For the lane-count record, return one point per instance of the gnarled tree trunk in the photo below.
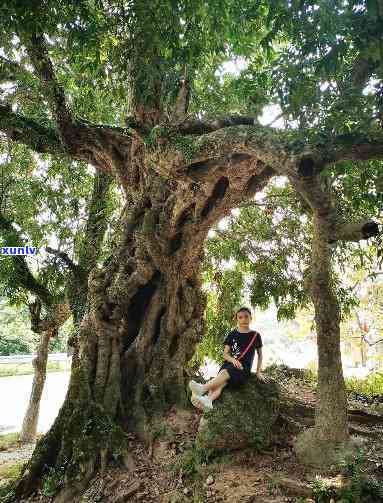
(180, 175)
(145, 315)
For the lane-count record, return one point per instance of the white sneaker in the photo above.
(196, 388)
(202, 402)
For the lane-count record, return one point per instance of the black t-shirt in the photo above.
(239, 341)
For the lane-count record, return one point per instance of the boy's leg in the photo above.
(221, 378)
(214, 393)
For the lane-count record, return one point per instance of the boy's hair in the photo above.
(243, 308)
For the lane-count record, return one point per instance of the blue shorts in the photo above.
(237, 376)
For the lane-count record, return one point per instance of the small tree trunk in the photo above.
(331, 410)
(363, 355)
(29, 428)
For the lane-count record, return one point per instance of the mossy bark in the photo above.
(243, 417)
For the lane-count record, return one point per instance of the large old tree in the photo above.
(131, 88)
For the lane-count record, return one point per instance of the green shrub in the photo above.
(322, 492)
(9, 474)
(9, 440)
(13, 346)
(363, 488)
(371, 385)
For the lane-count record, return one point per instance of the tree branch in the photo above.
(22, 277)
(196, 126)
(64, 257)
(96, 224)
(38, 52)
(357, 151)
(79, 139)
(93, 144)
(357, 231)
(28, 132)
(243, 134)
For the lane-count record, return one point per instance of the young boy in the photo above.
(232, 372)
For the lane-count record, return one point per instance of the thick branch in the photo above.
(204, 157)
(350, 149)
(195, 126)
(57, 314)
(96, 224)
(28, 132)
(279, 146)
(317, 193)
(357, 231)
(94, 143)
(99, 146)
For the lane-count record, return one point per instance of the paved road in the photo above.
(14, 396)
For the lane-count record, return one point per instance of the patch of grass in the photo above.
(322, 492)
(9, 474)
(371, 385)
(272, 487)
(11, 470)
(8, 370)
(9, 440)
(12, 440)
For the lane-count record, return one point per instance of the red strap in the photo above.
(248, 347)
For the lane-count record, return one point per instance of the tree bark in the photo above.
(145, 307)
(331, 410)
(29, 428)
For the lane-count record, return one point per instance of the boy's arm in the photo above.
(259, 363)
(226, 354)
